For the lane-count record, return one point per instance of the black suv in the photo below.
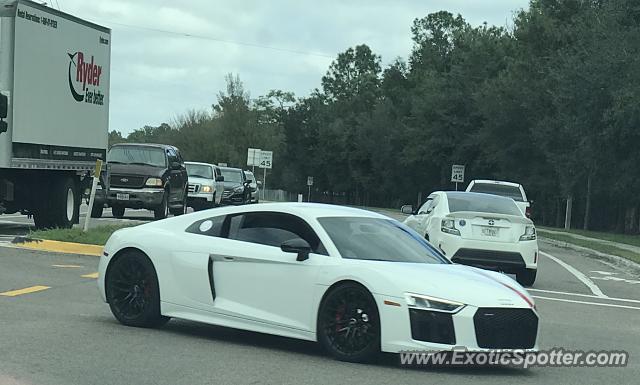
(143, 176)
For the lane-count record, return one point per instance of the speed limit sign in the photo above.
(457, 173)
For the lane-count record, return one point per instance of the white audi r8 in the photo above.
(353, 280)
(482, 230)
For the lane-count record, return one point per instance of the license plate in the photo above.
(490, 231)
(122, 197)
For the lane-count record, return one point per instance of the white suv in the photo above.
(505, 189)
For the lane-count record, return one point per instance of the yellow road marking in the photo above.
(60, 247)
(92, 275)
(26, 290)
(67, 266)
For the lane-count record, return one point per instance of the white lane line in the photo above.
(583, 295)
(581, 277)
(587, 303)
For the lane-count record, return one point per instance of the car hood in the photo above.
(231, 185)
(136, 169)
(202, 181)
(460, 283)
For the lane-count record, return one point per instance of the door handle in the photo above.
(227, 258)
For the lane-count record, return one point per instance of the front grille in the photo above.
(503, 328)
(432, 326)
(134, 181)
(488, 258)
(194, 188)
(227, 193)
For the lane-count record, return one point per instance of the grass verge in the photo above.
(594, 246)
(95, 236)
(633, 240)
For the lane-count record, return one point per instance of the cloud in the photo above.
(156, 76)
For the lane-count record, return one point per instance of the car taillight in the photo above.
(527, 212)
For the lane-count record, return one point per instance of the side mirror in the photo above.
(406, 209)
(297, 245)
(175, 165)
(259, 183)
(248, 181)
(220, 178)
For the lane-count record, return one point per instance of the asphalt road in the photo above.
(66, 335)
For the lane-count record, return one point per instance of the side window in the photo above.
(435, 202)
(271, 229)
(179, 156)
(172, 156)
(210, 226)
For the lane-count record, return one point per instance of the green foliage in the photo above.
(94, 236)
(551, 103)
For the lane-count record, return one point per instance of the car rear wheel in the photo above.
(349, 324)
(526, 277)
(118, 211)
(132, 291)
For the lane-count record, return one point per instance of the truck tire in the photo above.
(117, 211)
(183, 208)
(162, 211)
(64, 211)
(42, 220)
(96, 210)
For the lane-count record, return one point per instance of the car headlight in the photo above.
(207, 189)
(239, 189)
(425, 302)
(153, 182)
(529, 234)
(449, 226)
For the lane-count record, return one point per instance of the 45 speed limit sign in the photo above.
(457, 173)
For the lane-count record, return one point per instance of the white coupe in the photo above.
(355, 281)
(481, 230)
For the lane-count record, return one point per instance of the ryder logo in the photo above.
(83, 75)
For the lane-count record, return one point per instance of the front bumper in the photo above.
(144, 198)
(199, 200)
(507, 257)
(398, 334)
(232, 197)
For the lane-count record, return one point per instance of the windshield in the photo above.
(379, 239)
(137, 155)
(482, 203)
(199, 171)
(231, 175)
(512, 192)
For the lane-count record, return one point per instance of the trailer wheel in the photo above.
(65, 210)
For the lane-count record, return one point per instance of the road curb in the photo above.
(57, 246)
(610, 259)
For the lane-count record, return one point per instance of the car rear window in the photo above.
(512, 192)
(482, 203)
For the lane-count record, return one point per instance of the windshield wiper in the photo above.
(143, 164)
(199, 176)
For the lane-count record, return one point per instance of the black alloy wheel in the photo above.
(132, 291)
(349, 323)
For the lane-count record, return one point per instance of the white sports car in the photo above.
(481, 230)
(353, 280)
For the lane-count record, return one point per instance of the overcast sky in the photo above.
(156, 76)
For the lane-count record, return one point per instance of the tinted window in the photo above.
(482, 203)
(210, 226)
(199, 171)
(137, 155)
(173, 157)
(272, 229)
(379, 239)
(512, 192)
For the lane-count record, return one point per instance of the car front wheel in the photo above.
(132, 290)
(526, 277)
(349, 324)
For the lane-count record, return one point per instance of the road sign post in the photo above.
(457, 174)
(309, 184)
(265, 161)
(92, 194)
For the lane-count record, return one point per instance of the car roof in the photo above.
(500, 182)
(201, 163)
(230, 169)
(465, 194)
(153, 145)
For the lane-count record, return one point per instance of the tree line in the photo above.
(551, 102)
